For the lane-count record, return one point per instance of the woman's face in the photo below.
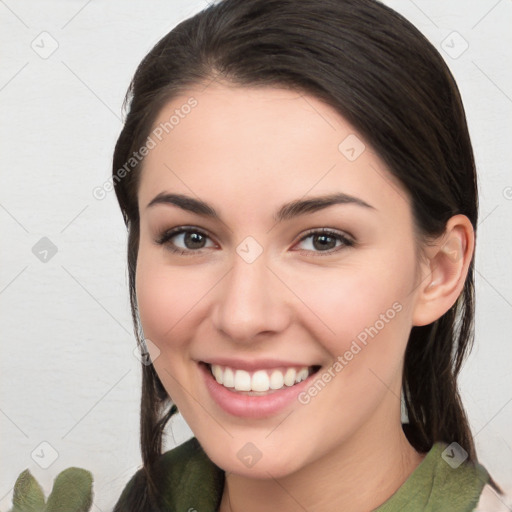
(259, 291)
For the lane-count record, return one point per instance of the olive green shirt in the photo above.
(190, 481)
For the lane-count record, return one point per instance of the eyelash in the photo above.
(166, 236)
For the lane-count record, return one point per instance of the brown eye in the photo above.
(325, 241)
(193, 239)
(184, 240)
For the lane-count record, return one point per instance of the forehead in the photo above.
(262, 143)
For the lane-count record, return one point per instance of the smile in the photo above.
(260, 380)
(261, 390)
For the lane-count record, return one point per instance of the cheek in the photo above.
(356, 303)
(163, 299)
(167, 300)
(365, 323)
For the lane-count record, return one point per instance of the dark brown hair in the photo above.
(386, 79)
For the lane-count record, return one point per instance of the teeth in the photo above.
(289, 377)
(228, 378)
(260, 380)
(277, 380)
(242, 380)
(302, 375)
(217, 373)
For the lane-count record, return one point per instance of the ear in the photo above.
(445, 270)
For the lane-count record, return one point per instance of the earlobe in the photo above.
(448, 263)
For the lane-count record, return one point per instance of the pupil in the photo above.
(194, 238)
(323, 245)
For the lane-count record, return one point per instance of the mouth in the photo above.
(260, 382)
(259, 391)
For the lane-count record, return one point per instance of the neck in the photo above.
(359, 475)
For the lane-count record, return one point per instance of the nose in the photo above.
(251, 301)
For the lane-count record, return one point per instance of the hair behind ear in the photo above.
(432, 399)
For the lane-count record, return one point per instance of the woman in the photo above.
(300, 193)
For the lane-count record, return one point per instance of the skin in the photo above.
(247, 151)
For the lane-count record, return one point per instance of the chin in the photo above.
(244, 458)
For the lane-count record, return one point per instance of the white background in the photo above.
(68, 374)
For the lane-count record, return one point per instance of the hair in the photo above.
(389, 82)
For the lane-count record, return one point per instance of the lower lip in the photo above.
(248, 406)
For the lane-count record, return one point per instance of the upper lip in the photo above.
(254, 364)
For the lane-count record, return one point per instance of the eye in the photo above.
(324, 241)
(193, 240)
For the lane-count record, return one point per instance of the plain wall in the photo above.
(69, 376)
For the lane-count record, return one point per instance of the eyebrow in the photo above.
(286, 212)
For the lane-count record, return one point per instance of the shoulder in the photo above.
(179, 474)
(466, 482)
(458, 480)
(444, 481)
